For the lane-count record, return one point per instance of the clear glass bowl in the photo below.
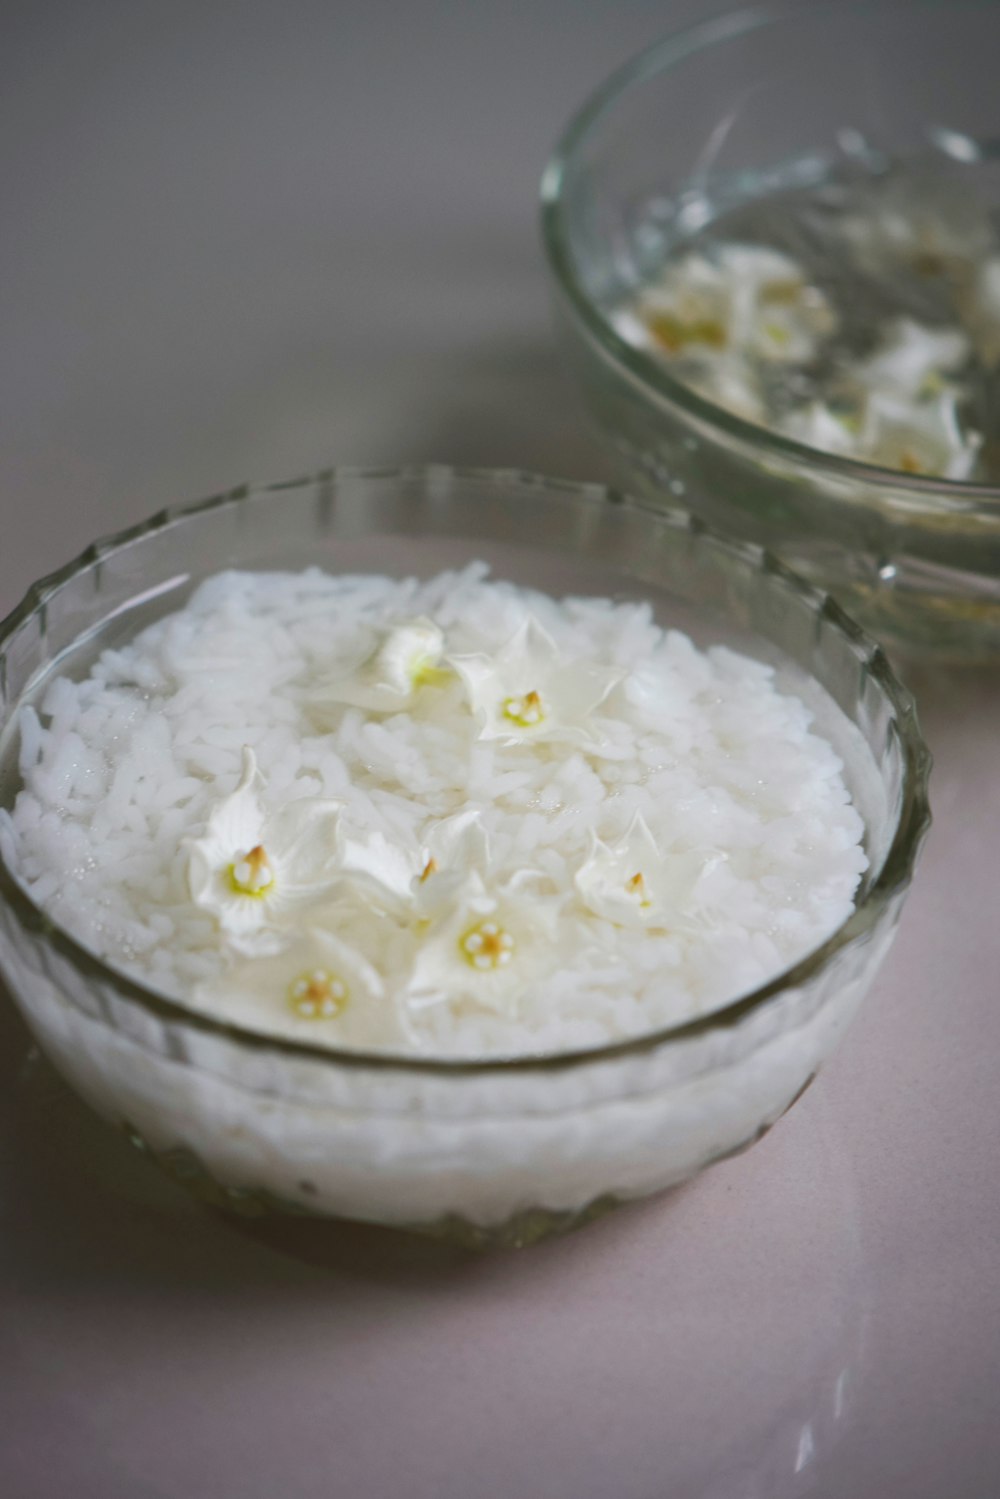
(492, 1151)
(759, 101)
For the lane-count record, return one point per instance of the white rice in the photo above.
(119, 768)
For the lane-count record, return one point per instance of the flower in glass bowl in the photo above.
(745, 299)
(388, 679)
(413, 880)
(314, 980)
(918, 436)
(898, 407)
(528, 691)
(724, 317)
(255, 868)
(778, 315)
(912, 359)
(489, 942)
(633, 882)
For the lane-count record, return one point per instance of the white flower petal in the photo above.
(315, 987)
(712, 313)
(389, 680)
(302, 838)
(234, 828)
(454, 848)
(383, 869)
(459, 840)
(236, 821)
(910, 356)
(918, 437)
(486, 951)
(251, 867)
(528, 691)
(407, 880)
(635, 884)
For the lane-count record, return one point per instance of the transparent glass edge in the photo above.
(647, 373)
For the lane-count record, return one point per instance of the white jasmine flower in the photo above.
(389, 679)
(315, 985)
(634, 883)
(905, 417)
(776, 313)
(252, 868)
(746, 299)
(918, 437)
(528, 691)
(410, 880)
(689, 311)
(489, 945)
(912, 360)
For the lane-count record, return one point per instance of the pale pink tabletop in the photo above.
(246, 240)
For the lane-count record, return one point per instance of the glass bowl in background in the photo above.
(757, 102)
(494, 1150)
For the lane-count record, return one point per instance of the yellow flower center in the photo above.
(425, 672)
(251, 873)
(782, 293)
(636, 887)
(487, 946)
(675, 334)
(527, 711)
(318, 995)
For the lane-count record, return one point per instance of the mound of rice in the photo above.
(123, 769)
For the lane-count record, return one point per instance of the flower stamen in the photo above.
(251, 873)
(527, 711)
(487, 946)
(318, 995)
(431, 867)
(636, 887)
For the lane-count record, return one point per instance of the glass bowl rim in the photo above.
(911, 825)
(650, 374)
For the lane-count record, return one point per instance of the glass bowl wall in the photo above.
(757, 102)
(494, 1150)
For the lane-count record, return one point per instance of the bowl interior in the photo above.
(562, 538)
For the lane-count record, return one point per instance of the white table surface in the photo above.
(244, 241)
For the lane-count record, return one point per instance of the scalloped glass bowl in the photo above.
(762, 100)
(491, 1151)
